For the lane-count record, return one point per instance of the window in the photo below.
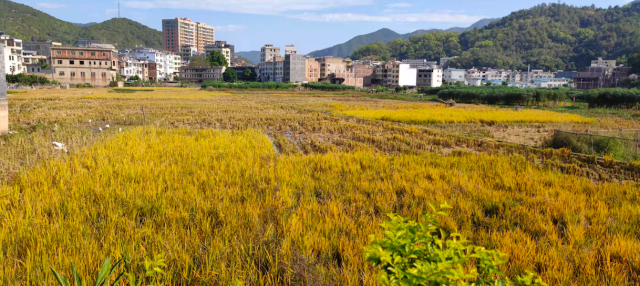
(93, 54)
(59, 53)
(104, 54)
(81, 53)
(61, 73)
(93, 74)
(81, 63)
(72, 62)
(73, 73)
(82, 74)
(73, 53)
(106, 63)
(104, 74)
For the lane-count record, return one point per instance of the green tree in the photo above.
(423, 253)
(134, 78)
(217, 59)
(634, 62)
(488, 83)
(230, 75)
(250, 74)
(505, 83)
(198, 61)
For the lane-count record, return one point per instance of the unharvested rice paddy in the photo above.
(259, 188)
(437, 113)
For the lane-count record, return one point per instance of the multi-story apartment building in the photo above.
(224, 44)
(226, 52)
(12, 54)
(290, 49)
(603, 63)
(187, 52)
(165, 62)
(32, 62)
(42, 48)
(268, 52)
(201, 74)
(294, 68)
(73, 65)
(182, 31)
(394, 74)
(600, 76)
(453, 76)
(129, 66)
(538, 74)
(312, 70)
(420, 64)
(431, 77)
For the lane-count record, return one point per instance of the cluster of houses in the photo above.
(100, 64)
(424, 73)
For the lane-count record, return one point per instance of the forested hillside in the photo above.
(550, 37)
(385, 35)
(24, 22)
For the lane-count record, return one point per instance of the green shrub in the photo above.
(248, 85)
(79, 85)
(413, 253)
(328, 86)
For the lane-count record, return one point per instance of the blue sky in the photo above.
(308, 24)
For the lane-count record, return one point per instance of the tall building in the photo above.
(290, 50)
(268, 52)
(429, 77)
(294, 68)
(182, 31)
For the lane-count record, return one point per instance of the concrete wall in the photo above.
(4, 107)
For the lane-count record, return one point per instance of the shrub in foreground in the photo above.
(414, 253)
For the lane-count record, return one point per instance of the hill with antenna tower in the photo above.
(29, 24)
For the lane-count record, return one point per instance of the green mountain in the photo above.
(384, 35)
(253, 56)
(21, 21)
(550, 37)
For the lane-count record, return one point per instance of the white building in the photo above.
(551, 82)
(129, 66)
(538, 74)
(453, 76)
(394, 74)
(12, 54)
(431, 77)
(272, 70)
(165, 61)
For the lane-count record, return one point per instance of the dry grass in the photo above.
(203, 184)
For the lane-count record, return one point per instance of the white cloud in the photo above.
(45, 5)
(265, 7)
(229, 28)
(399, 5)
(421, 17)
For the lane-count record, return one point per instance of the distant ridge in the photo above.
(385, 35)
(21, 21)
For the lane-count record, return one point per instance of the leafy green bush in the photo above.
(248, 85)
(328, 86)
(26, 79)
(414, 253)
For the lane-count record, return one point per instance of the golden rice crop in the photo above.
(203, 184)
(433, 114)
(223, 205)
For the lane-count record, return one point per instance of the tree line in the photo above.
(547, 36)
